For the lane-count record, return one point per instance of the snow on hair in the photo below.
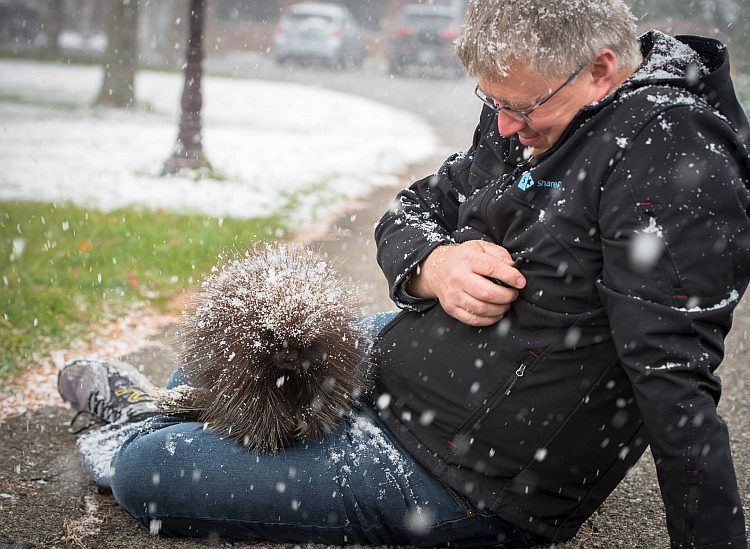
(553, 37)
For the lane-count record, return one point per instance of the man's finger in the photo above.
(499, 271)
(474, 320)
(486, 290)
(481, 308)
(507, 275)
(495, 250)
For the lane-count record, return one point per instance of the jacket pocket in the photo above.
(643, 250)
(691, 506)
(649, 215)
(461, 442)
(461, 500)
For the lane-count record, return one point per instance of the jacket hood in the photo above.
(696, 64)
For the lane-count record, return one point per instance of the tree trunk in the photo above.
(121, 60)
(188, 150)
(54, 25)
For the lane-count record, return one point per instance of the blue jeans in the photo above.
(357, 485)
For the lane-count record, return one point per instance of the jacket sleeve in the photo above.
(421, 218)
(674, 231)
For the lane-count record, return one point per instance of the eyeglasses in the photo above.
(517, 114)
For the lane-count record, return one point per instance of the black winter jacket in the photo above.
(633, 234)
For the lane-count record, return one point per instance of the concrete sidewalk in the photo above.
(46, 501)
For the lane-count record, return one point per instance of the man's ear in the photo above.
(605, 69)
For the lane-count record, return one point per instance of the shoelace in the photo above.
(98, 411)
(97, 406)
(96, 421)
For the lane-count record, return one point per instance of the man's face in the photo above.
(523, 90)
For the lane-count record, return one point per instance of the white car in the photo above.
(320, 32)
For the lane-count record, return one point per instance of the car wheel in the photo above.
(396, 68)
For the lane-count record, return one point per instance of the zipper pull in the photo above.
(530, 357)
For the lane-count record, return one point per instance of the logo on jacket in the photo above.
(526, 181)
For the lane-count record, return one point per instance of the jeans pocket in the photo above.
(462, 501)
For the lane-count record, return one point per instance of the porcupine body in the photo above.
(273, 350)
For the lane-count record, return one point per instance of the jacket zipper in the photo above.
(691, 503)
(470, 424)
(666, 261)
(691, 512)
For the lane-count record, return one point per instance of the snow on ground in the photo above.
(269, 139)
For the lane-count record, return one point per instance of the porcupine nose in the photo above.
(286, 359)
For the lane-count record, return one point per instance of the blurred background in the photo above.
(77, 29)
(381, 49)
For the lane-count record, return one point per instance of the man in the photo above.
(567, 285)
(619, 188)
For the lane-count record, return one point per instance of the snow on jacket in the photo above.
(632, 233)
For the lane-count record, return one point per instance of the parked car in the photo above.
(21, 24)
(423, 38)
(320, 32)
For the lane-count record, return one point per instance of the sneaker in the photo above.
(110, 391)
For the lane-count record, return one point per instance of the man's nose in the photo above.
(508, 125)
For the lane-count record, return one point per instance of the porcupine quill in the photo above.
(273, 350)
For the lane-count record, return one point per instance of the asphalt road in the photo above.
(449, 105)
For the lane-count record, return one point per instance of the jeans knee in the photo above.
(134, 484)
(157, 473)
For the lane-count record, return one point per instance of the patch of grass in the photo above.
(309, 200)
(82, 57)
(44, 54)
(63, 267)
(52, 104)
(75, 106)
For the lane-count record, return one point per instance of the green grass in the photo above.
(43, 54)
(74, 106)
(63, 267)
(52, 104)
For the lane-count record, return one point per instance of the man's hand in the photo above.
(458, 275)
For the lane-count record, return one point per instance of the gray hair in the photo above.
(553, 37)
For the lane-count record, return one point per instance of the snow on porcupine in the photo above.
(273, 351)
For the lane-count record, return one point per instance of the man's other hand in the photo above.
(459, 276)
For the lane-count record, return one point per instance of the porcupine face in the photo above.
(272, 350)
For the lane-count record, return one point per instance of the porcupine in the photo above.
(274, 350)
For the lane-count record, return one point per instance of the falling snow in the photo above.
(646, 247)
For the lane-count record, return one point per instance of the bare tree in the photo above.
(121, 60)
(53, 24)
(188, 150)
